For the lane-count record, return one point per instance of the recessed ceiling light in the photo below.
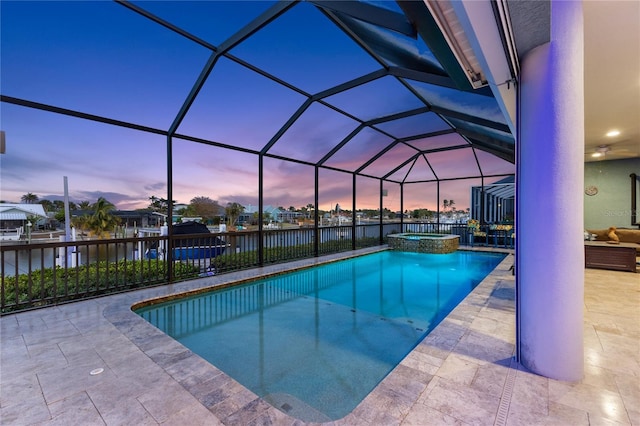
(596, 154)
(613, 133)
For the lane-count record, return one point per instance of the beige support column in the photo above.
(550, 252)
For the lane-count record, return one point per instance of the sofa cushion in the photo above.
(601, 234)
(628, 235)
(624, 235)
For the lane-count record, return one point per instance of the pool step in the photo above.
(294, 407)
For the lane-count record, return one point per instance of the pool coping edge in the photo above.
(227, 399)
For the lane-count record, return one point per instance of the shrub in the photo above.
(230, 261)
(54, 285)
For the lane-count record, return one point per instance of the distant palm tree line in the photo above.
(100, 222)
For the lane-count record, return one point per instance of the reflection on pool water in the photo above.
(315, 342)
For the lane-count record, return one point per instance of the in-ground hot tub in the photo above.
(424, 243)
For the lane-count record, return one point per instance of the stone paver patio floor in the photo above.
(461, 373)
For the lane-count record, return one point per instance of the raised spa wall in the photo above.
(424, 243)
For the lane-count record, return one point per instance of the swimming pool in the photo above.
(315, 342)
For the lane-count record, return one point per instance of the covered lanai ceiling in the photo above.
(370, 88)
(611, 69)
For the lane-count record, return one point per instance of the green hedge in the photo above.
(54, 285)
(236, 261)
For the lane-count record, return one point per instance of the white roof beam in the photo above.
(478, 21)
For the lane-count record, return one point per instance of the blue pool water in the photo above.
(315, 342)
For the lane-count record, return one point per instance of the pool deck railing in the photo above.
(58, 272)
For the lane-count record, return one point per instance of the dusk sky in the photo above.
(102, 58)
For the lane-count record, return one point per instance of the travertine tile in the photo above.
(484, 325)
(597, 402)
(47, 356)
(421, 415)
(368, 413)
(218, 389)
(50, 335)
(601, 378)
(618, 343)
(406, 381)
(194, 414)
(484, 347)
(31, 321)
(248, 413)
(490, 379)
(436, 355)
(458, 369)
(446, 336)
(634, 416)
(17, 390)
(393, 401)
(530, 393)
(114, 349)
(462, 402)
(590, 336)
(613, 361)
(423, 362)
(30, 410)
(192, 371)
(13, 350)
(230, 405)
(9, 327)
(558, 415)
(76, 409)
(61, 383)
(629, 389)
(164, 401)
(131, 412)
(79, 351)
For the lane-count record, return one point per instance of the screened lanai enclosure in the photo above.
(369, 104)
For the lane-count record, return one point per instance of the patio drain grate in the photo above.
(507, 392)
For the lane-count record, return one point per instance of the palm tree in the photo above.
(233, 212)
(160, 205)
(84, 205)
(81, 223)
(29, 198)
(102, 221)
(47, 205)
(445, 204)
